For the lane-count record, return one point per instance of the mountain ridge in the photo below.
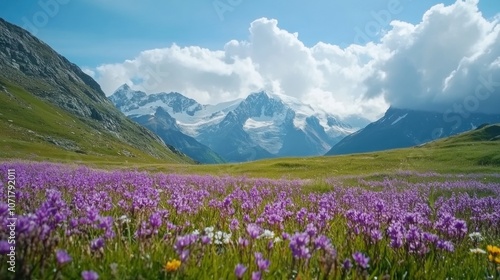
(402, 128)
(30, 66)
(262, 125)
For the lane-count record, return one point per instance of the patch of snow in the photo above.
(398, 119)
(266, 131)
(295, 104)
(254, 124)
(149, 109)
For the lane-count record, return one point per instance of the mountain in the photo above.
(263, 125)
(166, 128)
(50, 107)
(400, 128)
(268, 125)
(154, 112)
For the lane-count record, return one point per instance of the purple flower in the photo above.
(253, 230)
(445, 245)
(155, 220)
(311, 230)
(323, 243)
(239, 271)
(460, 228)
(184, 255)
(270, 244)
(4, 247)
(285, 236)
(234, 225)
(183, 242)
(430, 237)
(97, 244)
(262, 263)
(361, 260)
(62, 257)
(89, 275)
(347, 264)
(4, 209)
(375, 235)
(298, 245)
(256, 275)
(205, 240)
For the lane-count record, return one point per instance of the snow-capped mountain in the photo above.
(191, 116)
(401, 128)
(260, 126)
(154, 112)
(167, 129)
(270, 125)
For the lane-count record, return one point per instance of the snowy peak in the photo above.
(261, 106)
(132, 102)
(176, 101)
(126, 99)
(259, 126)
(282, 126)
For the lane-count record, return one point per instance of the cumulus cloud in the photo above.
(89, 72)
(450, 57)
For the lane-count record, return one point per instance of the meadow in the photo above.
(75, 222)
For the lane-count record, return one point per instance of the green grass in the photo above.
(478, 158)
(29, 127)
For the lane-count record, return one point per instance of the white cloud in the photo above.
(430, 65)
(89, 72)
(441, 61)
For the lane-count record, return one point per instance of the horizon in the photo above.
(360, 69)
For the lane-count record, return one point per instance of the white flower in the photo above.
(267, 234)
(209, 230)
(476, 236)
(222, 238)
(277, 239)
(477, 251)
(218, 237)
(226, 238)
(196, 232)
(124, 219)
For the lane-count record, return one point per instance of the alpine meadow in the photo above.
(250, 140)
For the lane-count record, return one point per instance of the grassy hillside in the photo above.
(51, 109)
(31, 128)
(475, 151)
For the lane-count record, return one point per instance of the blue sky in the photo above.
(96, 32)
(353, 57)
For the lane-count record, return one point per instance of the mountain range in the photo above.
(400, 128)
(263, 125)
(49, 108)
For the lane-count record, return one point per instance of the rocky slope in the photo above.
(34, 67)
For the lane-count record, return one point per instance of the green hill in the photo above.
(51, 109)
(476, 151)
(31, 128)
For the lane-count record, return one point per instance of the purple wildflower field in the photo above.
(74, 222)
